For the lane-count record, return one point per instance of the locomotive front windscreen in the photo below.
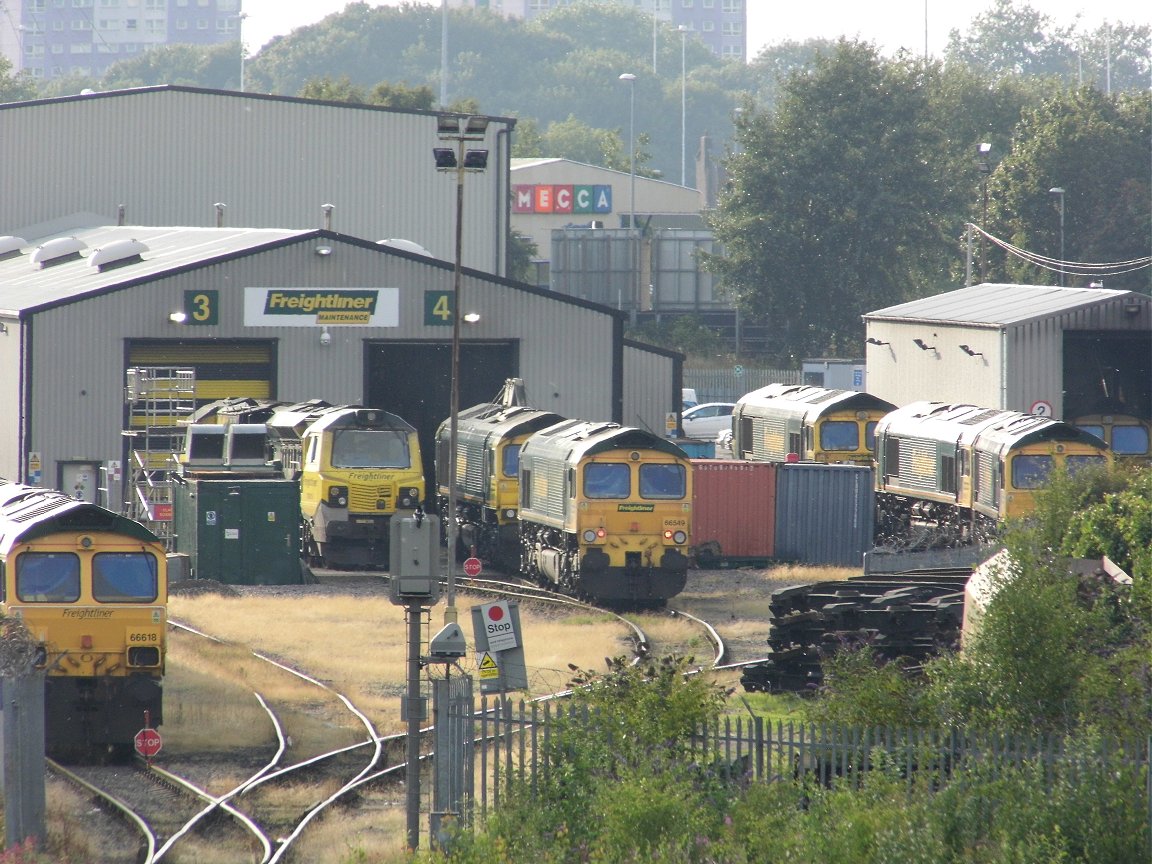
(48, 577)
(839, 435)
(1129, 440)
(607, 480)
(370, 448)
(124, 577)
(659, 480)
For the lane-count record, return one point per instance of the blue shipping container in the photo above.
(824, 513)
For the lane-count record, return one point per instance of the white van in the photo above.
(688, 399)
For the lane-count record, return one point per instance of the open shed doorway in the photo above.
(414, 380)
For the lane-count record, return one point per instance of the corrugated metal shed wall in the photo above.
(566, 354)
(170, 155)
(1021, 363)
(10, 347)
(902, 372)
(649, 388)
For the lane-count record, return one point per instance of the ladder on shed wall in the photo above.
(161, 400)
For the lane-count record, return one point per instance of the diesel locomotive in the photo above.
(965, 470)
(488, 441)
(605, 512)
(357, 468)
(800, 423)
(92, 588)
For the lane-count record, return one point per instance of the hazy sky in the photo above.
(892, 24)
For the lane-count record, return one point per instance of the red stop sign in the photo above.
(472, 567)
(148, 742)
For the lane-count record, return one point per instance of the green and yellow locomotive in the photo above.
(606, 512)
(489, 437)
(966, 470)
(91, 587)
(799, 423)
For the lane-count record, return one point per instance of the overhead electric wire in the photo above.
(1072, 268)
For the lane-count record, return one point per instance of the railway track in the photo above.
(252, 810)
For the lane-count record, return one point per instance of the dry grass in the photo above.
(356, 645)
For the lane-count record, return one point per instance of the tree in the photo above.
(1012, 41)
(216, 66)
(1006, 40)
(1095, 147)
(838, 202)
(522, 255)
(14, 88)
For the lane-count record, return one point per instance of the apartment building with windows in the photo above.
(54, 38)
(722, 25)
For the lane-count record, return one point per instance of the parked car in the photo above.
(708, 420)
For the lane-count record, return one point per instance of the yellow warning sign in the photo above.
(488, 666)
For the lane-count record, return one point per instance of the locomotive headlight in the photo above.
(338, 496)
(589, 536)
(409, 497)
(143, 656)
(679, 538)
(510, 513)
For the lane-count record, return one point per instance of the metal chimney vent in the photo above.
(118, 253)
(57, 251)
(10, 246)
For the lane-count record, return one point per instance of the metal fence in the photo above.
(751, 750)
(728, 385)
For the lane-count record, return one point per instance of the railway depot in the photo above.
(274, 307)
(276, 313)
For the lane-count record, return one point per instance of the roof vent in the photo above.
(10, 246)
(58, 251)
(118, 253)
(406, 245)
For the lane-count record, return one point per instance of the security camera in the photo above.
(448, 644)
(325, 338)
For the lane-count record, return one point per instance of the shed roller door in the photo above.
(223, 369)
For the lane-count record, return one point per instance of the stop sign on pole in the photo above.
(472, 567)
(148, 742)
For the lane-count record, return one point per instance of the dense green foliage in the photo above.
(851, 176)
(1054, 655)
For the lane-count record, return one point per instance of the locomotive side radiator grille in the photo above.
(770, 437)
(917, 464)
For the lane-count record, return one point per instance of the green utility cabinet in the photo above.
(241, 531)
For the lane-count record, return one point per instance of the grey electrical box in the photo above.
(414, 559)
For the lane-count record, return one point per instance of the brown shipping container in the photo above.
(734, 507)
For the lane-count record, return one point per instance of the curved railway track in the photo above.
(185, 811)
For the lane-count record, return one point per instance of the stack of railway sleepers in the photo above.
(905, 616)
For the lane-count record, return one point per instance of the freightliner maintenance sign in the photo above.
(316, 307)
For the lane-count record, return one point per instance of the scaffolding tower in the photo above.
(161, 400)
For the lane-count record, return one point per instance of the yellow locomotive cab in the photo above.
(91, 587)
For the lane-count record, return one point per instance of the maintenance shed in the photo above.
(281, 314)
(173, 155)
(1060, 352)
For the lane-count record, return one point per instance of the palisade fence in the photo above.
(745, 751)
(729, 384)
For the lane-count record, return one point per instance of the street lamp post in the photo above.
(1058, 191)
(984, 163)
(631, 79)
(240, 32)
(459, 129)
(683, 109)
